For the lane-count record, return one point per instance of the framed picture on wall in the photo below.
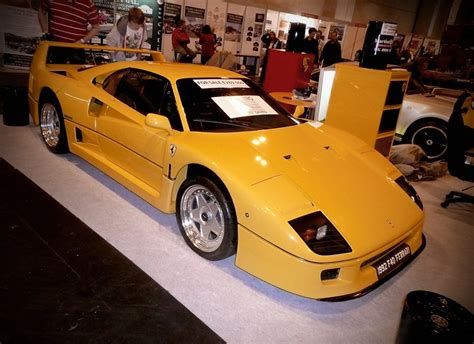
(339, 29)
(431, 46)
(415, 44)
(259, 17)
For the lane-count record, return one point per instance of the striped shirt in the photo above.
(68, 19)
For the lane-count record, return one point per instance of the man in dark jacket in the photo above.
(310, 44)
(331, 51)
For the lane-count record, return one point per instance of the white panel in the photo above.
(233, 34)
(252, 31)
(348, 42)
(194, 21)
(359, 40)
(345, 10)
(271, 21)
(167, 48)
(216, 18)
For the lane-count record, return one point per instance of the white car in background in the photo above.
(423, 121)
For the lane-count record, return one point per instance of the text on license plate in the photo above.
(392, 260)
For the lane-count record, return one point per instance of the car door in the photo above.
(124, 138)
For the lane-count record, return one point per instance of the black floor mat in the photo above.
(62, 283)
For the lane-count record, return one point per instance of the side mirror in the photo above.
(299, 111)
(159, 122)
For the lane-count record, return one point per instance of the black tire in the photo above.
(432, 136)
(206, 218)
(52, 126)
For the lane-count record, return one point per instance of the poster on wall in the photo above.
(399, 38)
(233, 28)
(216, 16)
(195, 18)
(19, 36)
(253, 30)
(339, 29)
(106, 14)
(271, 21)
(170, 13)
(415, 44)
(157, 37)
(430, 47)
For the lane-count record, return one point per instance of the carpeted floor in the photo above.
(61, 282)
(237, 306)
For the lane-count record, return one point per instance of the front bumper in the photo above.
(296, 275)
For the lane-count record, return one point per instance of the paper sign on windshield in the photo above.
(221, 83)
(243, 106)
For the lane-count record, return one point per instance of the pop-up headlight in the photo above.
(320, 235)
(410, 191)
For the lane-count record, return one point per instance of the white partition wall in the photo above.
(172, 8)
(216, 18)
(195, 15)
(347, 45)
(271, 20)
(234, 27)
(359, 40)
(252, 31)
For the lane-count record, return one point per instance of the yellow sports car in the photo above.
(303, 206)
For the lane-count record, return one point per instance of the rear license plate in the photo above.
(392, 260)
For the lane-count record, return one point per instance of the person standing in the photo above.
(332, 51)
(130, 32)
(320, 38)
(311, 43)
(271, 41)
(67, 20)
(208, 44)
(180, 40)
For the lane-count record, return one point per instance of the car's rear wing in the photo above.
(43, 54)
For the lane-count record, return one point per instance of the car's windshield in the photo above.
(220, 104)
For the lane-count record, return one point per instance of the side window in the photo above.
(111, 82)
(141, 90)
(170, 110)
(144, 92)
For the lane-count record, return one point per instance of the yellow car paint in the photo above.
(272, 176)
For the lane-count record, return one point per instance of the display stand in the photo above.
(393, 104)
(366, 102)
(286, 71)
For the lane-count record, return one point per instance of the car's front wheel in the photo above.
(52, 126)
(431, 136)
(206, 218)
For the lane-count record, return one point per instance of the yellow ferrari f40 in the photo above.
(302, 205)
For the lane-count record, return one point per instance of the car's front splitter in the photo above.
(380, 282)
(354, 278)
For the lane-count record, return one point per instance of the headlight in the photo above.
(402, 182)
(320, 235)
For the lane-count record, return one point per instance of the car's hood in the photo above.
(348, 181)
(353, 189)
(422, 104)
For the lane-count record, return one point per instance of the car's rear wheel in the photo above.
(206, 218)
(431, 136)
(52, 126)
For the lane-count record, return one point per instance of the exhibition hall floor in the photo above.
(226, 303)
